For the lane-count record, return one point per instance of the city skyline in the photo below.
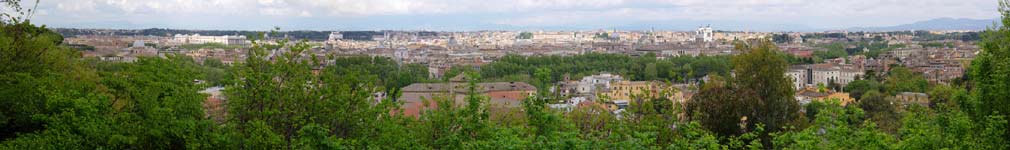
(447, 15)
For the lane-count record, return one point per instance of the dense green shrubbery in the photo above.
(52, 99)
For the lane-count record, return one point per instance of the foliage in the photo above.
(758, 94)
(675, 69)
(279, 96)
(53, 99)
(901, 79)
(525, 35)
(834, 50)
(857, 88)
(881, 109)
(836, 127)
(990, 71)
(389, 73)
(759, 70)
(720, 107)
(149, 104)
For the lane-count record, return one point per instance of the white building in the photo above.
(401, 54)
(704, 34)
(810, 75)
(553, 37)
(334, 36)
(589, 84)
(199, 39)
(799, 77)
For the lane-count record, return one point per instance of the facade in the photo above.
(334, 36)
(805, 96)
(587, 87)
(810, 75)
(704, 34)
(909, 98)
(199, 39)
(624, 90)
(613, 87)
(507, 94)
(591, 84)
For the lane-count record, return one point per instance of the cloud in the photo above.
(821, 13)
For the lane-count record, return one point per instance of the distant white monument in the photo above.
(704, 34)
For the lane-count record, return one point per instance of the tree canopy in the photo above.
(281, 98)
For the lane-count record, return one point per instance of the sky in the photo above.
(465, 15)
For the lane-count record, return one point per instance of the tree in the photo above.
(945, 128)
(881, 109)
(901, 79)
(760, 93)
(857, 88)
(543, 81)
(651, 73)
(39, 79)
(990, 69)
(782, 38)
(942, 94)
(759, 69)
(821, 88)
(834, 86)
(719, 107)
(836, 127)
(453, 125)
(280, 94)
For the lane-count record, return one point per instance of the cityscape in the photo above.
(652, 79)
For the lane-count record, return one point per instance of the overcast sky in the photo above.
(497, 14)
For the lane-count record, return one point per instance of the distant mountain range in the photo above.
(935, 24)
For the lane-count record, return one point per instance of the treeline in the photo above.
(389, 73)
(678, 69)
(673, 69)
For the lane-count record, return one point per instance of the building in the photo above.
(613, 87)
(909, 98)
(810, 75)
(199, 39)
(805, 96)
(334, 36)
(419, 96)
(587, 87)
(704, 34)
(139, 49)
(591, 84)
(624, 90)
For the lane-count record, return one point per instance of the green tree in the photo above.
(543, 81)
(857, 88)
(719, 107)
(834, 129)
(949, 128)
(881, 109)
(759, 69)
(651, 73)
(990, 69)
(901, 79)
(281, 92)
(759, 94)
